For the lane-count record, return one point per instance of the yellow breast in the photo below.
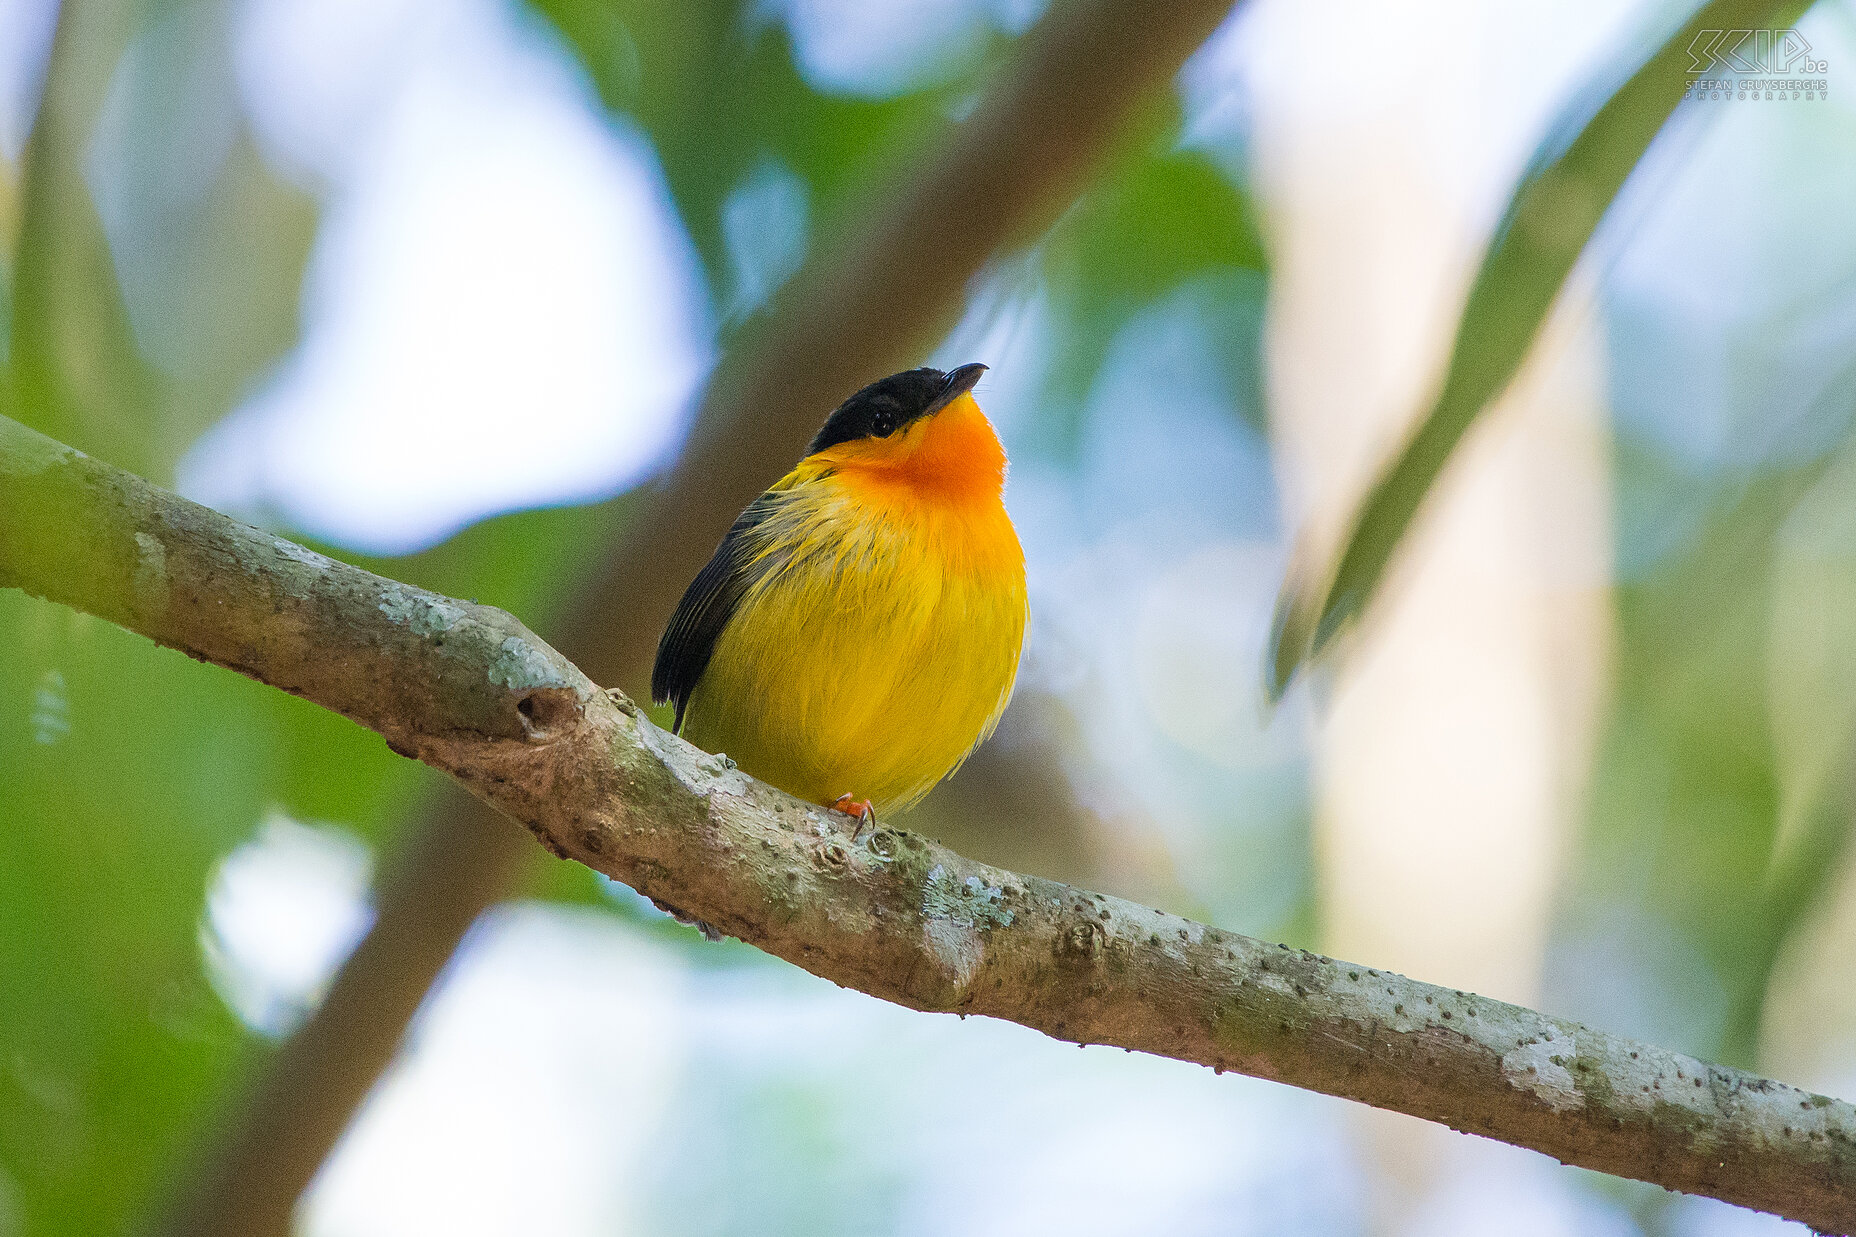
(882, 645)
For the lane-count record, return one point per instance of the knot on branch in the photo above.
(1082, 942)
(548, 712)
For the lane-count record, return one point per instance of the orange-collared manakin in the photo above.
(857, 633)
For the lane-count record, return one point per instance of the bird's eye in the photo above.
(883, 424)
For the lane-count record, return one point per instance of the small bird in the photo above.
(857, 633)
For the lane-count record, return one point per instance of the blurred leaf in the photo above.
(233, 272)
(1811, 658)
(129, 770)
(1691, 778)
(9, 246)
(73, 369)
(129, 352)
(716, 89)
(1159, 217)
(1811, 685)
(1575, 175)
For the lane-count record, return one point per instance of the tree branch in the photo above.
(862, 307)
(469, 690)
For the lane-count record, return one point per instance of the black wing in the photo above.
(684, 652)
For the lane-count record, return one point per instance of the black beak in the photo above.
(959, 382)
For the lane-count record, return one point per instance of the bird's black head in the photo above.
(884, 407)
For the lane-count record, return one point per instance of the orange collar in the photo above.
(954, 454)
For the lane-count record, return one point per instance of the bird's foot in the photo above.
(858, 808)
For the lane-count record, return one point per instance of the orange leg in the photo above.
(860, 808)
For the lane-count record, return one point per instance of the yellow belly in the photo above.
(876, 657)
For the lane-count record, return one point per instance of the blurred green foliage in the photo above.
(127, 772)
(717, 91)
(1575, 175)
(1685, 814)
(1161, 217)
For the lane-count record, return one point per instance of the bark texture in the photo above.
(469, 690)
